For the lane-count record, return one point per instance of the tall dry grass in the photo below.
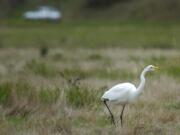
(60, 94)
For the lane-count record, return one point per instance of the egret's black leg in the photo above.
(121, 116)
(112, 117)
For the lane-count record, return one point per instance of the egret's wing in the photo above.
(119, 92)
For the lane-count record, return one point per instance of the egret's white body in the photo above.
(121, 93)
(124, 93)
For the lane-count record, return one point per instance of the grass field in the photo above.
(22, 33)
(60, 93)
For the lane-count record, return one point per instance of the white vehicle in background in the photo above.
(43, 13)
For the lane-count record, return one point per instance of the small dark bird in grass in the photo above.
(44, 51)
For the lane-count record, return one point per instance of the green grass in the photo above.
(81, 96)
(16, 94)
(111, 74)
(60, 93)
(71, 99)
(16, 121)
(173, 105)
(5, 93)
(23, 89)
(57, 57)
(95, 57)
(174, 71)
(90, 34)
(97, 73)
(40, 68)
(169, 65)
(75, 72)
(49, 96)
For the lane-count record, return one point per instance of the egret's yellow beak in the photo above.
(156, 68)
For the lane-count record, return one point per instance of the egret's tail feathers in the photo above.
(104, 99)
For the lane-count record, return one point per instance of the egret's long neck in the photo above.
(142, 81)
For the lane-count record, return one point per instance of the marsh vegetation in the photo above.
(60, 93)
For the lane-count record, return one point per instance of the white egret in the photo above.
(124, 93)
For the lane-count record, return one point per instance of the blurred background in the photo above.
(68, 23)
(58, 57)
(98, 9)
